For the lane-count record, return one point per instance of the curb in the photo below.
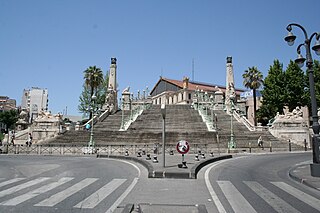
(196, 168)
(192, 174)
(299, 179)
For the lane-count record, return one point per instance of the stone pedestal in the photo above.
(291, 126)
(126, 100)
(218, 100)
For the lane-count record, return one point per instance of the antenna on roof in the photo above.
(192, 69)
(161, 72)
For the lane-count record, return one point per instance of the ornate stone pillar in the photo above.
(111, 103)
(229, 85)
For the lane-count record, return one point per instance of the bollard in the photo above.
(184, 164)
(148, 157)
(203, 156)
(249, 147)
(155, 159)
(270, 146)
(289, 145)
(126, 153)
(196, 158)
(139, 155)
(305, 145)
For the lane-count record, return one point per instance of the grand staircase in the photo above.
(182, 123)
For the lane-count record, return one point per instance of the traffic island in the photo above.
(172, 169)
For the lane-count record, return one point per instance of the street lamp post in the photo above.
(122, 113)
(232, 142)
(91, 142)
(315, 166)
(163, 113)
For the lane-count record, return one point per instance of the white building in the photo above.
(34, 100)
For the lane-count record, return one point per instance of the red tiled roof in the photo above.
(196, 85)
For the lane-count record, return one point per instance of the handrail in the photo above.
(133, 117)
(206, 119)
(244, 120)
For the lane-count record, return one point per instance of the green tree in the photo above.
(295, 88)
(253, 79)
(93, 77)
(9, 118)
(98, 88)
(273, 93)
(316, 73)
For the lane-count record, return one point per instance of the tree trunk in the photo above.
(254, 107)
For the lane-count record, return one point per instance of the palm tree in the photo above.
(93, 77)
(253, 79)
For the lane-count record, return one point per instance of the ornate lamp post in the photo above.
(232, 142)
(92, 108)
(315, 166)
(163, 113)
(122, 114)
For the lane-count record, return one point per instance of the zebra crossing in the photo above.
(16, 191)
(239, 203)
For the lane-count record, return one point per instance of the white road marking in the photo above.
(234, 197)
(94, 199)
(308, 199)
(36, 192)
(214, 196)
(7, 182)
(120, 199)
(273, 200)
(22, 186)
(57, 198)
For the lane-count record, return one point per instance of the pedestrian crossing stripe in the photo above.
(273, 200)
(94, 199)
(4, 183)
(235, 198)
(22, 186)
(36, 192)
(57, 198)
(304, 197)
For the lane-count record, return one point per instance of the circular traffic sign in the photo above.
(183, 147)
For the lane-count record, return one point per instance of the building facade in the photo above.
(7, 104)
(34, 100)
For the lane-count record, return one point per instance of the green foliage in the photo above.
(273, 93)
(9, 118)
(295, 87)
(93, 77)
(94, 84)
(316, 72)
(283, 88)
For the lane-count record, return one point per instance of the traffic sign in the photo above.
(183, 147)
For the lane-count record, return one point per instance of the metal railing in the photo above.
(114, 149)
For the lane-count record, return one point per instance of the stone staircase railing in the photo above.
(127, 121)
(207, 119)
(244, 120)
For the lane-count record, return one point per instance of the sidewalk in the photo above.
(173, 164)
(302, 174)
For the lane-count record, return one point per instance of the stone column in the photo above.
(229, 84)
(111, 103)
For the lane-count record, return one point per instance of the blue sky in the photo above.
(49, 43)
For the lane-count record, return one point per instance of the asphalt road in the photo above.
(64, 184)
(253, 183)
(260, 183)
